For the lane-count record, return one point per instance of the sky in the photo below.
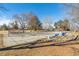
(42, 10)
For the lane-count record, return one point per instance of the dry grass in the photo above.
(67, 50)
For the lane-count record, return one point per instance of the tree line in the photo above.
(32, 22)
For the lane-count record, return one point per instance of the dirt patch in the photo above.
(43, 51)
(51, 51)
(75, 48)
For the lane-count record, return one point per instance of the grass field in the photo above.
(65, 50)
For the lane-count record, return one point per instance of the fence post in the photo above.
(1, 40)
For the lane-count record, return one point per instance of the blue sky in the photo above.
(42, 10)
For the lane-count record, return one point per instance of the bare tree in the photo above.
(13, 25)
(27, 21)
(21, 20)
(48, 24)
(73, 12)
(34, 23)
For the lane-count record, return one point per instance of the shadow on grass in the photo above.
(26, 47)
(33, 47)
